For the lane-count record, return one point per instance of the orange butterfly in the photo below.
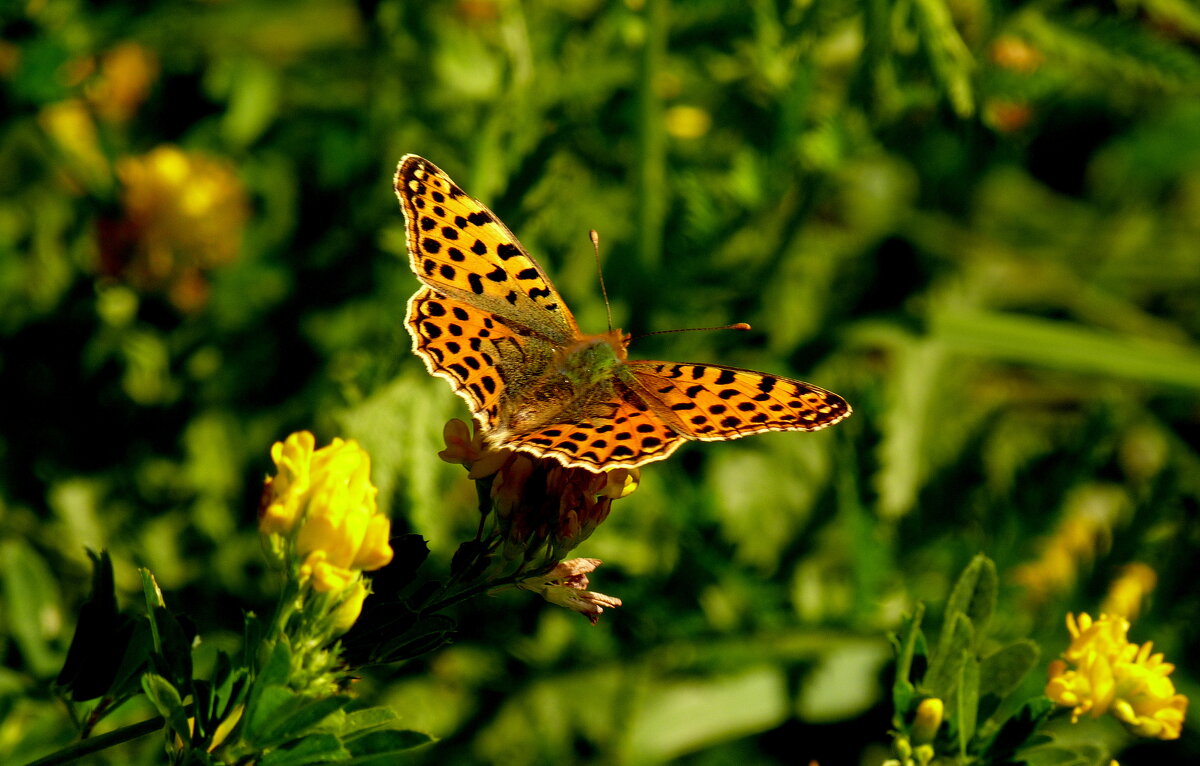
(489, 321)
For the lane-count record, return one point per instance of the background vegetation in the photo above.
(978, 222)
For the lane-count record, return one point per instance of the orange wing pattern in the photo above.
(623, 431)
(461, 249)
(490, 322)
(710, 402)
(474, 350)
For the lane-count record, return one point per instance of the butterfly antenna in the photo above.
(595, 237)
(738, 326)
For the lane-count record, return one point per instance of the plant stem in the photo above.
(94, 744)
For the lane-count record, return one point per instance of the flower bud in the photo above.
(927, 721)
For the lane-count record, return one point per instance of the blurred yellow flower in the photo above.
(70, 127)
(10, 58)
(1085, 530)
(1129, 590)
(1011, 52)
(323, 502)
(684, 121)
(123, 81)
(1006, 116)
(1102, 672)
(183, 214)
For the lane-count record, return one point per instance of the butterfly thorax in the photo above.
(592, 359)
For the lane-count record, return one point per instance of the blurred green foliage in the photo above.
(976, 221)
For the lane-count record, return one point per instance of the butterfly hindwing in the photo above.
(461, 249)
(483, 356)
(622, 432)
(711, 402)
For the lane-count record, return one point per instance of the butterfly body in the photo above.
(489, 321)
(593, 359)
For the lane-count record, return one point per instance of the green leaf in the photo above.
(427, 634)
(1067, 346)
(974, 595)
(280, 715)
(229, 689)
(390, 741)
(363, 721)
(946, 666)
(949, 57)
(1019, 729)
(1059, 755)
(102, 640)
(167, 701)
(127, 679)
(172, 645)
(315, 748)
(175, 660)
(278, 667)
(202, 699)
(966, 700)
(683, 716)
(1003, 670)
(30, 596)
(908, 638)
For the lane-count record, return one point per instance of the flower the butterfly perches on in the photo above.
(540, 511)
(488, 320)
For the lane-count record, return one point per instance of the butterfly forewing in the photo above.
(712, 402)
(461, 249)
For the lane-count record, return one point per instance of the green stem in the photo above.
(95, 744)
(463, 595)
(651, 194)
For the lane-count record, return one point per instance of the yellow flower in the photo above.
(323, 502)
(350, 607)
(72, 130)
(566, 585)
(1129, 590)
(285, 493)
(183, 214)
(687, 121)
(125, 75)
(1085, 530)
(1009, 52)
(1101, 672)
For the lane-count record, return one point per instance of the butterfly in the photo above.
(489, 321)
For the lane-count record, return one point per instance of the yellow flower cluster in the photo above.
(1102, 672)
(1085, 530)
(184, 214)
(1131, 588)
(322, 504)
(121, 81)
